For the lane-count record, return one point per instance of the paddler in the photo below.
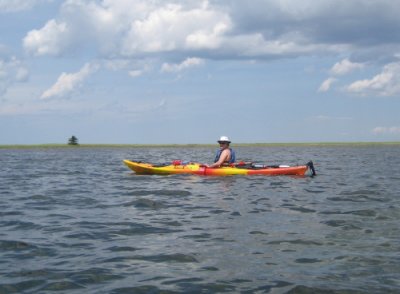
(225, 155)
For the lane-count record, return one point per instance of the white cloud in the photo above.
(135, 73)
(386, 130)
(121, 29)
(189, 62)
(134, 68)
(130, 28)
(176, 27)
(340, 68)
(164, 31)
(210, 39)
(50, 40)
(68, 83)
(12, 71)
(387, 83)
(326, 85)
(345, 66)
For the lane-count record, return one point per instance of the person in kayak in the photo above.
(225, 155)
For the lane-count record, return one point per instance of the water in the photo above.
(76, 220)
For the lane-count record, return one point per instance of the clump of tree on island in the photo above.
(73, 141)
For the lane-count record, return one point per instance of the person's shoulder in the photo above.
(227, 151)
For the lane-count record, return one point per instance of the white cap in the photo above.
(224, 139)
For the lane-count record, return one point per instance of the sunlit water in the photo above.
(76, 220)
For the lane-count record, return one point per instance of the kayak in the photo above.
(177, 167)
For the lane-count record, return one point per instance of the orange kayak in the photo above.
(177, 167)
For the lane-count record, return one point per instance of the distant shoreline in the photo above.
(313, 144)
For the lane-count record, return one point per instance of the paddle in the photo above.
(310, 164)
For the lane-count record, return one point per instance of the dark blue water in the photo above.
(76, 220)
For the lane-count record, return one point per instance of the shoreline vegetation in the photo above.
(305, 144)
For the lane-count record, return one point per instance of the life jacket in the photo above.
(232, 159)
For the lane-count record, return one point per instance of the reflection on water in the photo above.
(77, 220)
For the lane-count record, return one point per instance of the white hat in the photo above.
(224, 139)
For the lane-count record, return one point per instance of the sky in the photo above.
(188, 72)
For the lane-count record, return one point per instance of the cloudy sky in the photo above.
(154, 71)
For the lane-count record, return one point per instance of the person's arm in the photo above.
(224, 156)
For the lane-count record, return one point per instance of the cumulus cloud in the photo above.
(68, 83)
(50, 40)
(326, 85)
(386, 130)
(219, 30)
(386, 83)
(260, 29)
(345, 66)
(189, 62)
(176, 27)
(129, 28)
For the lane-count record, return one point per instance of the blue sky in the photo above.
(129, 71)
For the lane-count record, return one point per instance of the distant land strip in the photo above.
(305, 144)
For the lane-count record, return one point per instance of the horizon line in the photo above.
(259, 144)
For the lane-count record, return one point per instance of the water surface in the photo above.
(76, 220)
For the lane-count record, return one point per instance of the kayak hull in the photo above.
(199, 169)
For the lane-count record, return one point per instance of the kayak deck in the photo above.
(200, 169)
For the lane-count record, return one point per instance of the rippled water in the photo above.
(76, 220)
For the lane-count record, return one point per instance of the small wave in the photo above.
(122, 249)
(196, 285)
(356, 198)
(308, 290)
(307, 260)
(158, 258)
(161, 192)
(199, 238)
(15, 245)
(140, 289)
(20, 225)
(21, 287)
(346, 225)
(10, 213)
(361, 212)
(302, 209)
(141, 229)
(146, 203)
(360, 196)
(297, 242)
(61, 286)
(257, 233)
